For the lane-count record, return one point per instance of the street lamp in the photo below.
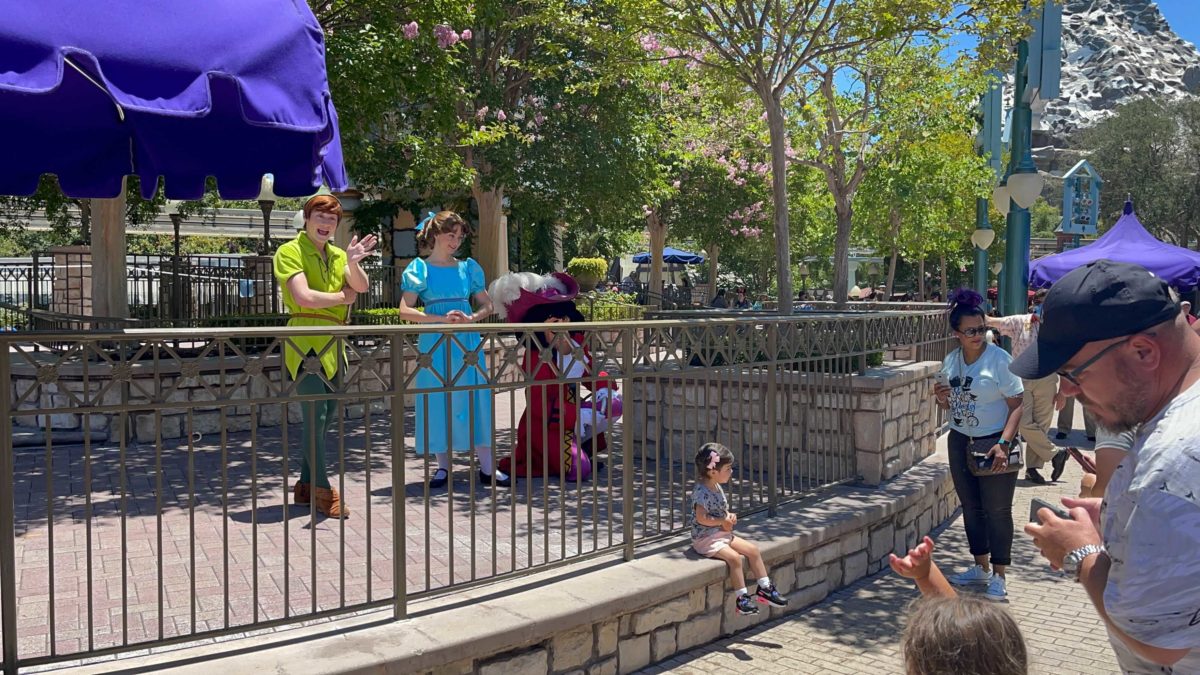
(1001, 196)
(1025, 184)
(983, 238)
(266, 202)
(996, 267)
(172, 211)
(804, 277)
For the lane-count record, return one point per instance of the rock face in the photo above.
(1115, 51)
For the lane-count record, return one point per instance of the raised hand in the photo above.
(917, 563)
(360, 248)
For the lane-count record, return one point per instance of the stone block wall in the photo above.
(212, 389)
(72, 291)
(628, 641)
(826, 427)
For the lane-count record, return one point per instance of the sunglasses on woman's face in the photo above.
(972, 332)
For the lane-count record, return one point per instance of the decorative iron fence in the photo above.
(153, 503)
(163, 290)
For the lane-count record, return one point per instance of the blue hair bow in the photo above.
(425, 221)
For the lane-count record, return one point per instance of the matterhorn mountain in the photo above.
(1115, 51)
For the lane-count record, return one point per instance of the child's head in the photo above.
(964, 634)
(714, 462)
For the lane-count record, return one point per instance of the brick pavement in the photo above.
(181, 539)
(857, 629)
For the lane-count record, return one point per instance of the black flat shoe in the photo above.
(439, 480)
(1060, 435)
(485, 479)
(1059, 464)
(1034, 477)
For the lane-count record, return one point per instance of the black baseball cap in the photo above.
(1099, 301)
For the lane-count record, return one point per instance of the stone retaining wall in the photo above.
(847, 537)
(209, 386)
(826, 427)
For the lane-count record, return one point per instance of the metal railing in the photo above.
(153, 504)
(163, 290)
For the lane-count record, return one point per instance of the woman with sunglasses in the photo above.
(983, 398)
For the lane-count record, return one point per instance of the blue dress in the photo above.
(444, 422)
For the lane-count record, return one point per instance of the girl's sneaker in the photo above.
(975, 575)
(771, 596)
(745, 605)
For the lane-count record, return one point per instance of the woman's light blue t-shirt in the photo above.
(978, 391)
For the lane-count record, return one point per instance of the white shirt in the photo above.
(1151, 523)
(978, 391)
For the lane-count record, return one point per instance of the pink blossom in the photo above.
(761, 168)
(649, 43)
(665, 86)
(539, 119)
(734, 232)
(671, 52)
(558, 106)
(501, 116)
(411, 30)
(446, 37)
(481, 113)
(739, 182)
(676, 184)
(467, 34)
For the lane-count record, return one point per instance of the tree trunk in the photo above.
(890, 288)
(110, 294)
(492, 253)
(921, 280)
(945, 285)
(658, 241)
(779, 142)
(844, 213)
(85, 221)
(557, 230)
(714, 253)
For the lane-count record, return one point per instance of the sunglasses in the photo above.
(1072, 375)
(972, 332)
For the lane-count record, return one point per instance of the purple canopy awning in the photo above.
(93, 91)
(1128, 242)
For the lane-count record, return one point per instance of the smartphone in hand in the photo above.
(1036, 505)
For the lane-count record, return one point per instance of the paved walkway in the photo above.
(857, 629)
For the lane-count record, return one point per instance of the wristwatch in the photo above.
(1074, 559)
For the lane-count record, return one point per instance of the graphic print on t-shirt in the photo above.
(962, 402)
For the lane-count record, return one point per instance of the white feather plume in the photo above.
(506, 289)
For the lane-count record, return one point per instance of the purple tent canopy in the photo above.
(96, 90)
(1128, 242)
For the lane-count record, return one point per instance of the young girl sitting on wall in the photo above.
(712, 529)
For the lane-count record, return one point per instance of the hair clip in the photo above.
(714, 458)
(425, 221)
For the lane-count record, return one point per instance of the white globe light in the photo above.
(1000, 197)
(266, 192)
(298, 220)
(1025, 188)
(996, 267)
(983, 238)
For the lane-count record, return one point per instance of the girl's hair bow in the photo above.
(714, 458)
(426, 220)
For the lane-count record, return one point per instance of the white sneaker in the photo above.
(975, 575)
(997, 590)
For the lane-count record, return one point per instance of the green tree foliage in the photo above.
(1150, 151)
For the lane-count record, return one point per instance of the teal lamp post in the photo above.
(988, 144)
(1036, 78)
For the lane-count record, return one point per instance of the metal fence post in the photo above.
(8, 541)
(399, 529)
(773, 419)
(627, 495)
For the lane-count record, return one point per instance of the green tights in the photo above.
(318, 416)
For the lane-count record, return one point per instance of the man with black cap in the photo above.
(1121, 346)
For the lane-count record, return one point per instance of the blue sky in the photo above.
(1184, 17)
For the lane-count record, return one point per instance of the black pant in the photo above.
(986, 503)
